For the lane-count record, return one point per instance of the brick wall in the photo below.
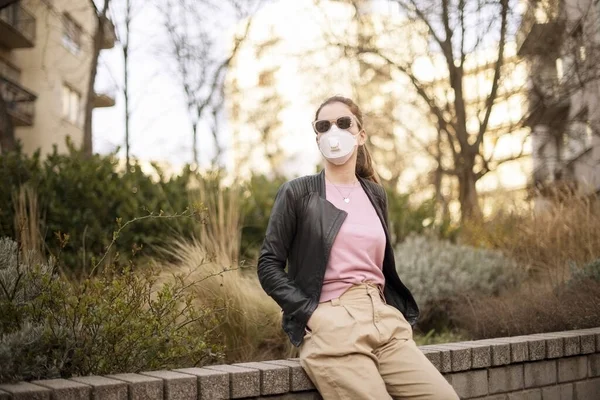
(552, 366)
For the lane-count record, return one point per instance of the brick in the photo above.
(481, 353)
(500, 351)
(506, 379)
(572, 346)
(589, 389)
(299, 381)
(593, 365)
(554, 344)
(274, 379)
(65, 389)
(571, 341)
(104, 388)
(572, 369)
(243, 382)
(540, 373)
(445, 357)
(295, 396)
(434, 356)
(460, 356)
(26, 391)
(588, 343)
(176, 386)
(501, 396)
(537, 349)
(558, 392)
(141, 387)
(531, 394)
(211, 384)
(519, 349)
(470, 384)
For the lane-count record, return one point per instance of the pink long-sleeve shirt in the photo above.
(359, 247)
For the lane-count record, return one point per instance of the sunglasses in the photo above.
(323, 125)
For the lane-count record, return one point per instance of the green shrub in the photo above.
(256, 209)
(82, 198)
(440, 273)
(115, 321)
(588, 271)
(406, 219)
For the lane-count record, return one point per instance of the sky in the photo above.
(160, 127)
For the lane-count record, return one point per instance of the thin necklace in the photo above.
(346, 198)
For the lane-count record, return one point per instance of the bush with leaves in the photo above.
(113, 321)
(441, 274)
(81, 197)
(408, 219)
(588, 271)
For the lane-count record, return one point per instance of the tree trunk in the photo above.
(126, 79)
(89, 100)
(195, 143)
(7, 131)
(468, 197)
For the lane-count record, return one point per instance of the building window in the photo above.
(560, 72)
(72, 34)
(582, 53)
(71, 105)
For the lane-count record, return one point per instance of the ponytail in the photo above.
(364, 165)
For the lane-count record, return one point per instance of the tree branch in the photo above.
(497, 70)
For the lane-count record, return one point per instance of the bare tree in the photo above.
(200, 60)
(448, 37)
(123, 30)
(98, 38)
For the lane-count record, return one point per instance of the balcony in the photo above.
(541, 29)
(104, 99)
(19, 101)
(110, 36)
(549, 106)
(17, 27)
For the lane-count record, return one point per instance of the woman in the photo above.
(342, 300)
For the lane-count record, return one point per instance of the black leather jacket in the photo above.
(301, 231)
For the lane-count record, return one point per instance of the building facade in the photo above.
(560, 39)
(45, 56)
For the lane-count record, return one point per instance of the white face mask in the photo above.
(337, 145)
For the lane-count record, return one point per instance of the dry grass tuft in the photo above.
(249, 320)
(28, 224)
(533, 309)
(548, 243)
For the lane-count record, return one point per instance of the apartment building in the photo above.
(560, 39)
(45, 58)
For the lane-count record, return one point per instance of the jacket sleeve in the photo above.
(273, 256)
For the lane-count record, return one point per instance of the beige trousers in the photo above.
(358, 347)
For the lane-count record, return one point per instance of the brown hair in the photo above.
(364, 163)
